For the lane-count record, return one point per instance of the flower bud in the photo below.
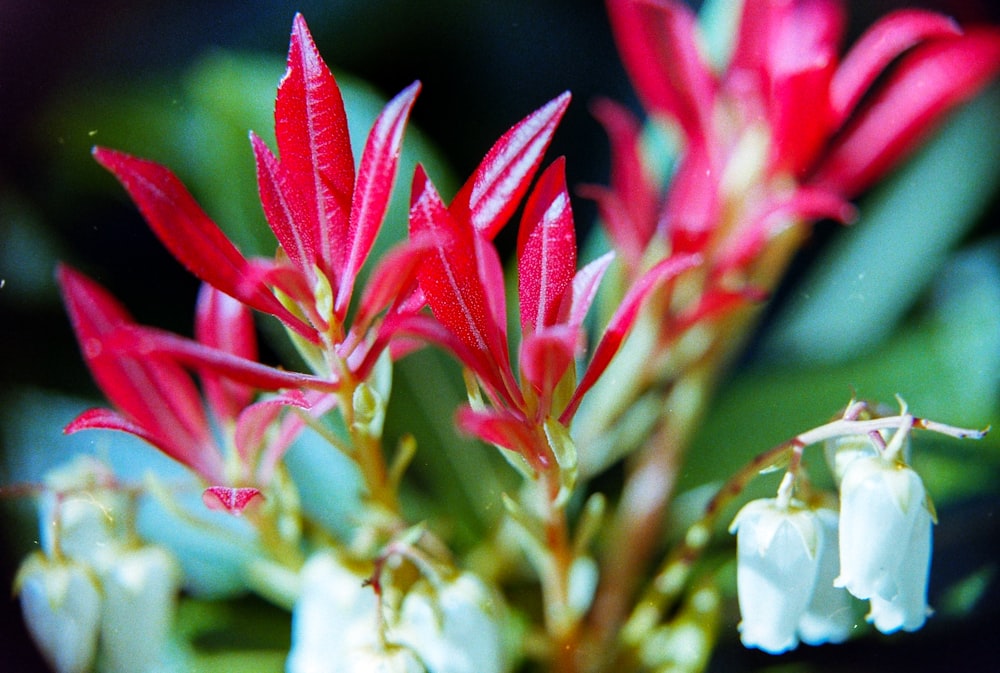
(885, 541)
(62, 607)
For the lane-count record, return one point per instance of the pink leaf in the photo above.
(928, 82)
(429, 330)
(391, 280)
(880, 45)
(233, 500)
(502, 429)
(623, 319)
(374, 187)
(806, 204)
(493, 192)
(225, 324)
(315, 151)
(576, 303)
(629, 213)
(255, 421)
(715, 303)
(546, 249)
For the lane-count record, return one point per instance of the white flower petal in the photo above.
(829, 618)
(908, 609)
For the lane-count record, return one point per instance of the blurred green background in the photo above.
(907, 301)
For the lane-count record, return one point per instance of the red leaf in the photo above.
(146, 341)
(621, 322)
(374, 187)
(692, 204)
(225, 324)
(546, 355)
(233, 500)
(315, 151)
(190, 236)
(657, 41)
(275, 198)
(880, 45)
(546, 249)
(493, 192)
(158, 400)
(449, 276)
(803, 59)
(928, 82)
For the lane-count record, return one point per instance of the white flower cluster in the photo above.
(799, 564)
(440, 625)
(92, 595)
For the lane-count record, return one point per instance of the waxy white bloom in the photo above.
(335, 624)
(785, 577)
(448, 625)
(62, 610)
(140, 595)
(453, 627)
(885, 541)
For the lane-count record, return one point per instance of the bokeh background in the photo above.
(913, 308)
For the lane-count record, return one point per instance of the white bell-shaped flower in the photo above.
(335, 623)
(140, 595)
(885, 541)
(454, 627)
(62, 610)
(778, 545)
(830, 615)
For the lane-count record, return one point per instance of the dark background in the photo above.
(483, 64)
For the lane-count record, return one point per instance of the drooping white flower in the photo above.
(453, 627)
(140, 594)
(335, 623)
(885, 541)
(779, 547)
(830, 615)
(62, 610)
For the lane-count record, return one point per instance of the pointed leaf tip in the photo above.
(493, 192)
